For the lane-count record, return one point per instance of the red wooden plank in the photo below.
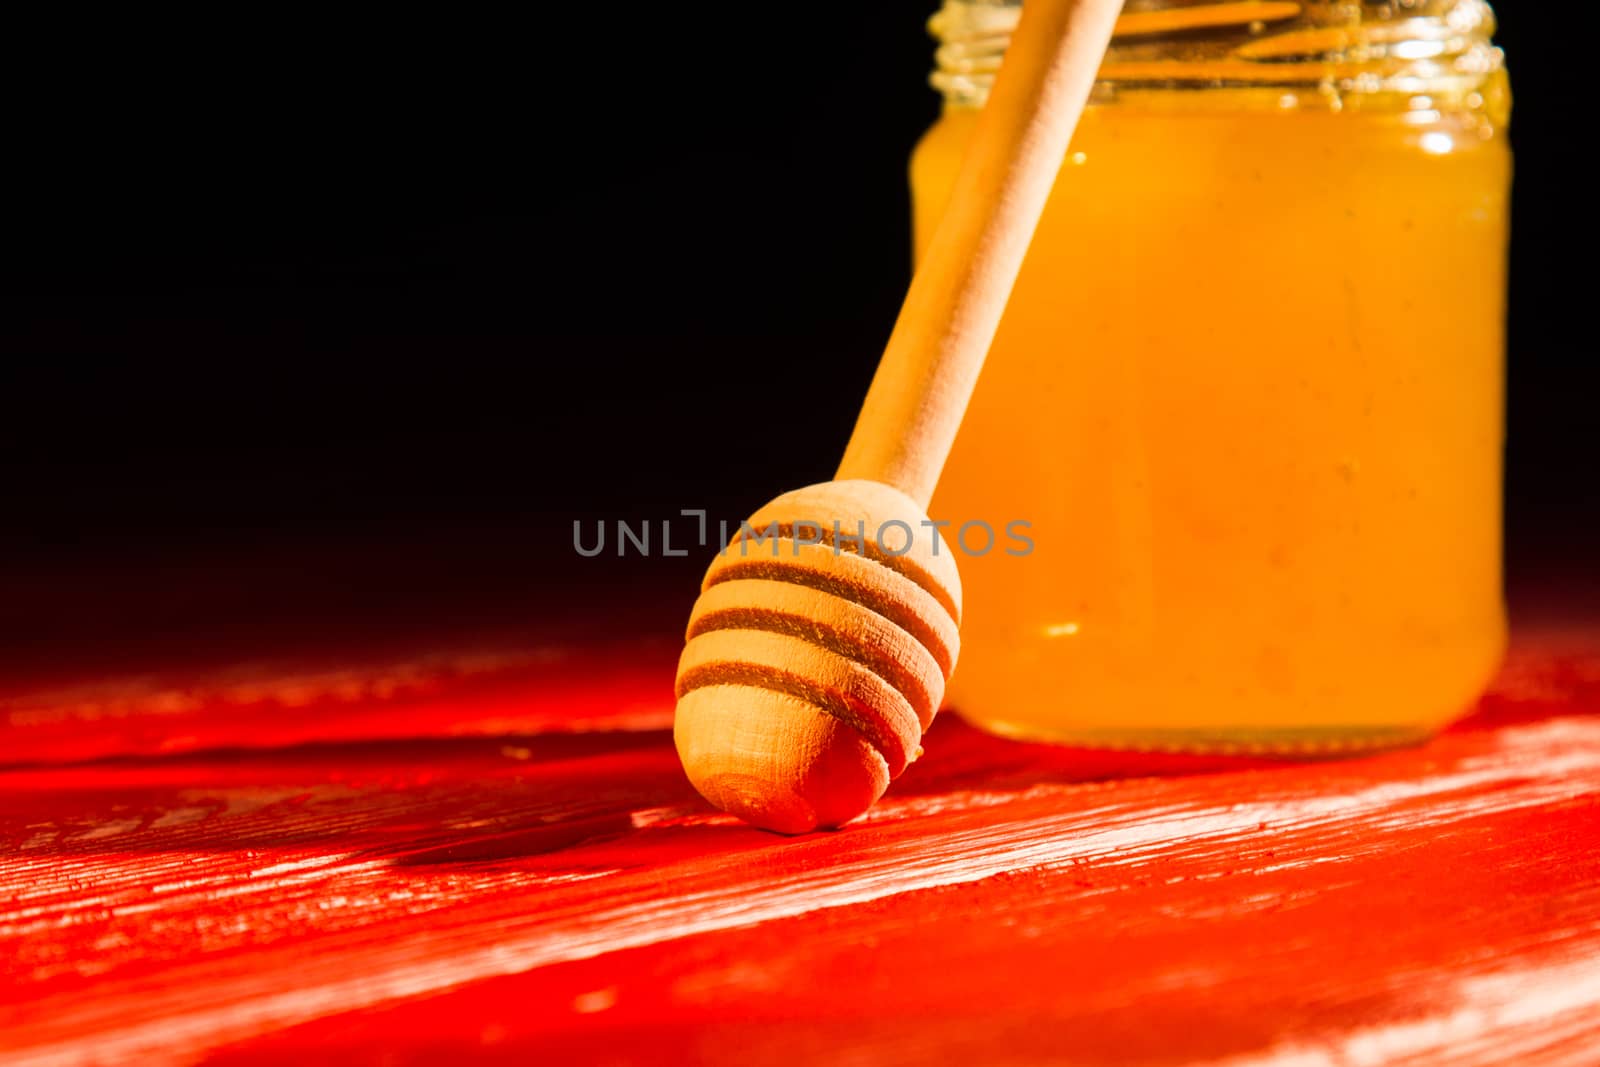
(508, 682)
(485, 898)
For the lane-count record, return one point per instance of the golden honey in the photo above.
(1248, 392)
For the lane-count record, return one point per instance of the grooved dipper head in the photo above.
(817, 654)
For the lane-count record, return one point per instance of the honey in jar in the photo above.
(1247, 393)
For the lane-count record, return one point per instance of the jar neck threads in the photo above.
(1400, 55)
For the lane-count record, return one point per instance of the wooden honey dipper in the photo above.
(816, 659)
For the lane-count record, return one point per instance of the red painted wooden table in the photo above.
(485, 851)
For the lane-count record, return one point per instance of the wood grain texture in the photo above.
(816, 655)
(565, 895)
(962, 282)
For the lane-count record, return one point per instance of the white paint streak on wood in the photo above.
(1495, 1017)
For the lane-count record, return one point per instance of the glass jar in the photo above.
(1247, 394)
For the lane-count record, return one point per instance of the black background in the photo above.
(377, 309)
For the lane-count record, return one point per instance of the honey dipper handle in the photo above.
(928, 370)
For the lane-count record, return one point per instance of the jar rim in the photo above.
(1328, 54)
